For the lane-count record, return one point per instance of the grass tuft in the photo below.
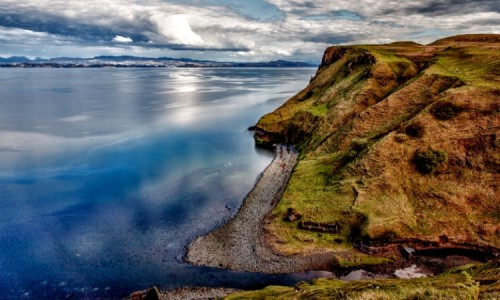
(427, 162)
(445, 110)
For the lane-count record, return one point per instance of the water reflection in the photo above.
(105, 176)
(186, 81)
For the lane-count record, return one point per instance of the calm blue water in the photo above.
(107, 174)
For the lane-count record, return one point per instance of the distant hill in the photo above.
(469, 38)
(134, 61)
(14, 59)
(399, 146)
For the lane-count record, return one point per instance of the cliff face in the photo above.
(397, 141)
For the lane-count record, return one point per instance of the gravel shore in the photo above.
(201, 293)
(238, 244)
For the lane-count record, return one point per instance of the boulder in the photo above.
(149, 294)
(292, 215)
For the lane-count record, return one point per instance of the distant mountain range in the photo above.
(134, 61)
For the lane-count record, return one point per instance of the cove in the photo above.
(107, 174)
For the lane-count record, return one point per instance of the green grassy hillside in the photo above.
(397, 142)
(468, 282)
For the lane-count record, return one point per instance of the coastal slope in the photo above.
(398, 146)
(467, 282)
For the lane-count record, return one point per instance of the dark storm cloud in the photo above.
(56, 25)
(452, 7)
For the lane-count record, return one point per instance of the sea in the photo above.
(107, 174)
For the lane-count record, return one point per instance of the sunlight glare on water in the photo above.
(107, 174)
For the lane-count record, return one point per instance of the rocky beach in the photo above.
(238, 244)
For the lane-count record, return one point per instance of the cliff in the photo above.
(398, 143)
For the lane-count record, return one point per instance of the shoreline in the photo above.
(238, 244)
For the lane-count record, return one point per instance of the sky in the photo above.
(229, 30)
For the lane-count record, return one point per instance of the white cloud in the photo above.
(176, 29)
(122, 39)
(18, 35)
(300, 30)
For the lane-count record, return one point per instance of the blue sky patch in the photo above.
(255, 9)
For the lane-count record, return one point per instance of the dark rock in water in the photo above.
(149, 294)
(292, 215)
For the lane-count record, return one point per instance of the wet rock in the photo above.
(407, 252)
(149, 294)
(358, 275)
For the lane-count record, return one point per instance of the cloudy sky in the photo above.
(229, 30)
